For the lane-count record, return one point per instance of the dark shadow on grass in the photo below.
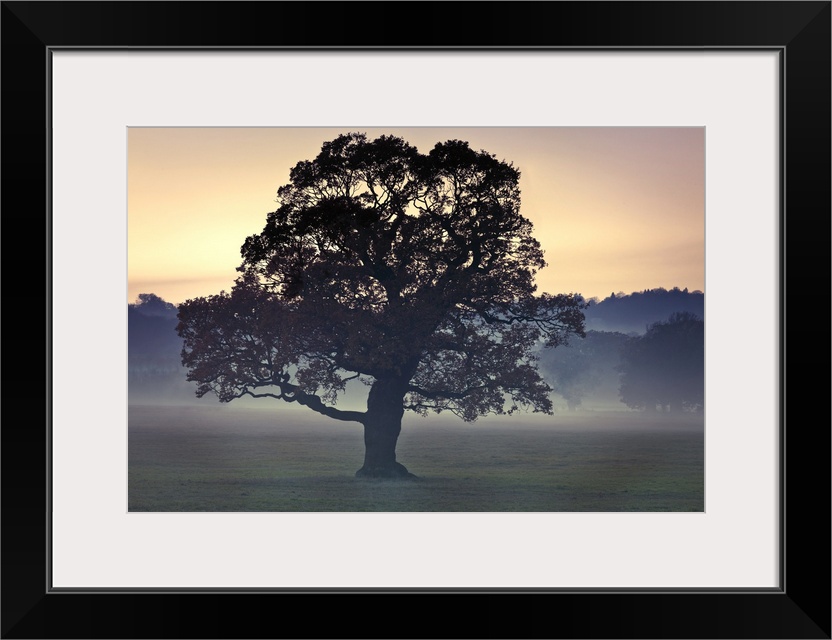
(388, 480)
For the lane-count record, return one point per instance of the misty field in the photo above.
(219, 458)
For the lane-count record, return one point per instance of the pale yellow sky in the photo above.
(615, 209)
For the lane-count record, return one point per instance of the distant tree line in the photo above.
(154, 367)
(635, 312)
(586, 367)
(665, 368)
(662, 370)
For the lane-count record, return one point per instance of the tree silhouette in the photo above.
(411, 273)
(666, 366)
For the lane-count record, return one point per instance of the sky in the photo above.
(615, 209)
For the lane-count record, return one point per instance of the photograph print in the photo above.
(416, 319)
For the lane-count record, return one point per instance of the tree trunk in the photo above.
(382, 425)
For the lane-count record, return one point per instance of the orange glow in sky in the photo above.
(615, 209)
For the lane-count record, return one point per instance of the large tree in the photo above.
(412, 273)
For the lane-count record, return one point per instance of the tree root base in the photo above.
(395, 471)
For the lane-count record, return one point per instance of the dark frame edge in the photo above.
(805, 225)
(48, 318)
(24, 119)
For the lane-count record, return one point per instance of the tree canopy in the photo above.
(413, 273)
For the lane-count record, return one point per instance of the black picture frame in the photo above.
(799, 31)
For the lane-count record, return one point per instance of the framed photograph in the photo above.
(90, 85)
(503, 406)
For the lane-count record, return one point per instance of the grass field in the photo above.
(220, 458)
